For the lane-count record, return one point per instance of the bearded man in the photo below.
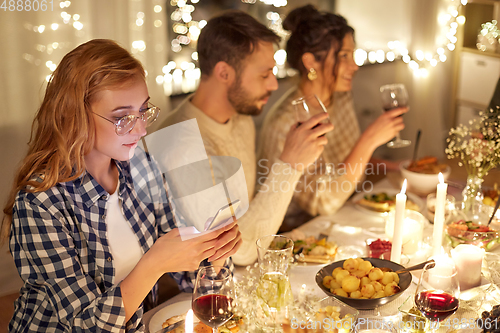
(236, 58)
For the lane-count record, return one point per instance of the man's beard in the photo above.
(240, 101)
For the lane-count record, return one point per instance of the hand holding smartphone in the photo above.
(223, 215)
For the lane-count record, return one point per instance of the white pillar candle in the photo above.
(412, 235)
(188, 324)
(468, 260)
(439, 216)
(397, 239)
(440, 275)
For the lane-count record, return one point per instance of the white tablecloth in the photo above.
(350, 227)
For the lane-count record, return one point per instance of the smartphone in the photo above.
(223, 215)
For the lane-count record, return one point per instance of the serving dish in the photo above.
(422, 183)
(366, 304)
(470, 227)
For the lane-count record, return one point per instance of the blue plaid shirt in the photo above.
(60, 247)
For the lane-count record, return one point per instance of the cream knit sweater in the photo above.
(237, 138)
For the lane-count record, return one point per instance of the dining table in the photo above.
(350, 228)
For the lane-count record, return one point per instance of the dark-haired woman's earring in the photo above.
(312, 75)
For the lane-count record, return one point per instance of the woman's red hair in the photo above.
(63, 131)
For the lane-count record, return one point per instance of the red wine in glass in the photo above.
(213, 296)
(394, 96)
(213, 310)
(306, 107)
(436, 305)
(438, 290)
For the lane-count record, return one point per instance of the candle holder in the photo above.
(431, 206)
(413, 229)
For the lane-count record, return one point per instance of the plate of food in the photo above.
(176, 312)
(312, 249)
(169, 315)
(383, 201)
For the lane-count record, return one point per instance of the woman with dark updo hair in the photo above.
(321, 47)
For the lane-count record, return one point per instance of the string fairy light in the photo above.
(70, 20)
(449, 20)
(187, 30)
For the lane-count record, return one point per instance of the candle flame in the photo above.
(403, 188)
(188, 328)
(441, 178)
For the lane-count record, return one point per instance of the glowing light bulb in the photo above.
(420, 55)
(380, 56)
(360, 57)
(372, 57)
(280, 57)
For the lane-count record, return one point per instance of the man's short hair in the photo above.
(231, 37)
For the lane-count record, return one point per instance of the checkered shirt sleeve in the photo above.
(63, 287)
(154, 189)
(59, 245)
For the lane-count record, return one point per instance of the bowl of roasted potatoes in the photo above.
(363, 283)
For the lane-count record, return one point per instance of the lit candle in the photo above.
(440, 277)
(413, 228)
(468, 260)
(439, 216)
(188, 327)
(397, 239)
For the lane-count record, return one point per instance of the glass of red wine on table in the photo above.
(395, 96)
(213, 296)
(305, 108)
(437, 294)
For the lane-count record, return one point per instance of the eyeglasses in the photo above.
(125, 124)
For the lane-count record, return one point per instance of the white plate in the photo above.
(171, 310)
(390, 191)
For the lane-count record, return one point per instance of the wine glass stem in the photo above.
(215, 329)
(398, 137)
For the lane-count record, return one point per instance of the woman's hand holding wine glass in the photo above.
(437, 294)
(213, 296)
(395, 96)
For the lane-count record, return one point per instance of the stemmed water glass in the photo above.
(395, 96)
(306, 107)
(213, 296)
(438, 292)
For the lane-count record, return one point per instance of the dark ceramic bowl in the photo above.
(366, 304)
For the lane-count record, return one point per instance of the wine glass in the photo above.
(213, 296)
(438, 291)
(395, 96)
(306, 107)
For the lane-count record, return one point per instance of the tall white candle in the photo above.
(188, 324)
(397, 238)
(437, 235)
